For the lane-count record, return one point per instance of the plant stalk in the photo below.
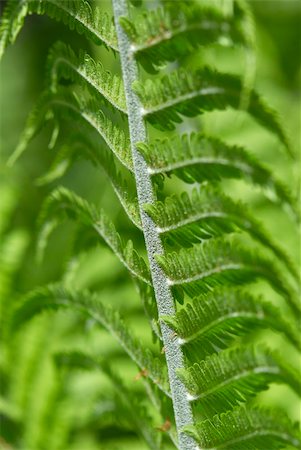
(145, 192)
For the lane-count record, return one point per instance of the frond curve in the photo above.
(53, 297)
(67, 106)
(62, 62)
(76, 14)
(80, 145)
(63, 203)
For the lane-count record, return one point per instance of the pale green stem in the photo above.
(164, 298)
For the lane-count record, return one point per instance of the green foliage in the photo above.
(213, 320)
(201, 245)
(64, 203)
(253, 428)
(189, 94)
(163, 35)
(198, 158)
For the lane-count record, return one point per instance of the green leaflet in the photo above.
(216, 262)
(232, 376)
(138, 414)
(64, 105)
(53, 297)
(180, 93)
(76, 14)
(80, 145)
(246, 428)
(178, 28)
(63, 203)
(196, 158)
(63, 63)
(215, 319)
(189, 219)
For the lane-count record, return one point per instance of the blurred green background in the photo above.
(41, 409)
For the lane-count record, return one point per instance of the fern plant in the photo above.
(204, 251)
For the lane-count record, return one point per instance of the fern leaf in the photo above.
(76, 14)
(180, 93)
(63, 203)
(53, 297)
(207, 213)
(246, 429)
(63, 63)
(66, 106)
(232, 376)
(177, 29)
(213, 320)
(80, 146)
(196, 157)
(216, 262)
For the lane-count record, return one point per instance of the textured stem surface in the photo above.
(165, 302)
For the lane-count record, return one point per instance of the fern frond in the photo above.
(246, 429)
(53, 297)
(80, 146)
(206, 213)
(213, 320)
(76, 14)
(176, 29)
(196, 157)
(216, 262)
(64, 105)
(62, 62)
(136, 411)
(181, 93)
(232, 376)
(63, 203)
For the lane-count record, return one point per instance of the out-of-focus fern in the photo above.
(198, 247)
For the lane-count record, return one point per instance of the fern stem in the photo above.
(164, 298)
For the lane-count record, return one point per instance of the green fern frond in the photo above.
(136, 411)
(216, 262)
(62, 204)
(176, 29)
(196, 158)
(62, 62)
(205, 213)
(232, 376)
(80, 146)
(215, 319)
(165, 99)
(76, 14)
(246, 429)
(53, 297)
(64, 105)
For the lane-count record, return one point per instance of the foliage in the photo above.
(200, 380)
